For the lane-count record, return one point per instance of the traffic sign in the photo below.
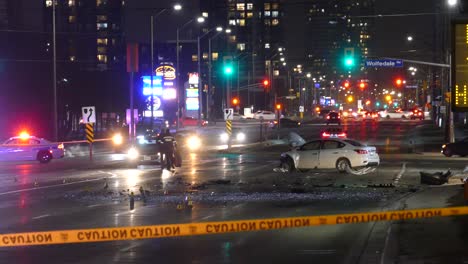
(459, 91)
(88, 114)
(385, 63)
(89, 130)
(228, 114)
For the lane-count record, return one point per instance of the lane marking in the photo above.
(113, 175)
(94, 205)
(207, 217)
(400, 174)
(50, 186)
(41, 216)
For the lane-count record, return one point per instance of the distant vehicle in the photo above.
(324, 113)
(26, 148)
(330, 153)
(457, 148)
(285, 123)
(191, 121)
(370, 115)
(334, 117)
(266, 115)
(417, 114)
(238, 116)
(393, 114)
(333, 132)
(349, 114)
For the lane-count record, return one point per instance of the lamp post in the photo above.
(54, 73)
(199, 20)
(200, 91)
(177, 7)
(210, 67)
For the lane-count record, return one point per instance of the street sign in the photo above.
(88, 114)
(411, 86)
(385, 63)
(89, 130)
(228, 114)
(301, 109)
(459, 91)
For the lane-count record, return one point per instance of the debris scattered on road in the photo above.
(385, 185)
(436, 178)
(362, 171)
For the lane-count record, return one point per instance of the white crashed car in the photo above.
(26, 148)
(341, 154)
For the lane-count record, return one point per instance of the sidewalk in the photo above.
(436, 240)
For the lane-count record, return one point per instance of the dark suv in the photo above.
(334, 117)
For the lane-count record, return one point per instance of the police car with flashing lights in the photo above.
(28, 148)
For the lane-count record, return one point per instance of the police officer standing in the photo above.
(166, 141)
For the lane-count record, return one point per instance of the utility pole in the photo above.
(54, 73)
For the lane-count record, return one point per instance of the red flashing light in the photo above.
(361, 151)
(266, 83)
(346, 84)
(342, 135)
(24, 135)
(362, 85)
(325, 134)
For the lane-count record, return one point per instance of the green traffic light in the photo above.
(349, 62)
(228, 70)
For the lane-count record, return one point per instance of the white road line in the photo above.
(400, 174)
(93, 205)
(41, 216)
(50, 186)
(207, 217)
(136, 244)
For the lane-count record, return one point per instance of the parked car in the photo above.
(328, 154)
(266, 115)
(334, 117)
(29, 148)
(457, 148)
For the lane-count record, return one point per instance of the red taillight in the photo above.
(325, 134)
(276, 122)
(342, 135)
(50, 151)
(420, 113)
(361, 151)
(328, 117)
(60, 146)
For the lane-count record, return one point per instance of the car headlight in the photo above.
(117, 139)
(133, 153)
(193, 143)
(224, 137)
(240, 136)
(141, 139)
(444, 146)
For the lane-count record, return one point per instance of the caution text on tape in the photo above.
(206, 228)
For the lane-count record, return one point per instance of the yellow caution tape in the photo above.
(206, 228)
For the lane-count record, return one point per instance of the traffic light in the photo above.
(278, 106)
(399, 82)
(350, 99)
(266, 83)
(348, 60)
(388, 98)
(228, 70)
(235, 101)
(346, 84)
(362, 85)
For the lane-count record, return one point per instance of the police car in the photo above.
(26, 148)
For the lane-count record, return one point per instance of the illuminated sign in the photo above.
(156, 103)
(192, 103)
(168, 84)
(169, 94)
(192, 93)
(193, 78)
(166, 71)
(156, 88)
(459, 91)
(157, 113)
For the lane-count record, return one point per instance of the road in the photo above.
(74, 193)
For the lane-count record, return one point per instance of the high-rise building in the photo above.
(90, 32)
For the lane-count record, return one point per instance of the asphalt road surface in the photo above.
(74, 193)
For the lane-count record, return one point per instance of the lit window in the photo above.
(194, 57)
(241, 6)
(100, 26)
(232, 38)
(102, 58)
(205, 14)
(267, 6)
(214, 56)
(274, 6)
(205, 56)
(48, 3)
(267, 13)
(71, 19)
(241, 46)
(274, 13)
(71, 2)
(242, 15)
(101, 50)
(101, 2)
(72, 58)
(249, 14)
(249, 6)
(241, 22)
(275, 22)
(101, 18)
(232, 22)
(102, 41)
(267, 45)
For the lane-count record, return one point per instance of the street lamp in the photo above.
(200, 105)
(219, 31)
(177, 7)
(199, 20)
(409, 38)
(452, 2)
